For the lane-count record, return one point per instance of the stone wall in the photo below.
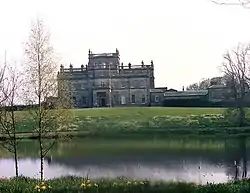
(157, 96)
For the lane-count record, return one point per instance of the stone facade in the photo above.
(106, 82)
(157, 96)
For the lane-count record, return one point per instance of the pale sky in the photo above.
(184, 38)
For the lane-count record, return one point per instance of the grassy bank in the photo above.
(143, 122)
(74, 184)
(142, 133)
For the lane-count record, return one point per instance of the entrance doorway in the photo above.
(102, 99)
(103, 102)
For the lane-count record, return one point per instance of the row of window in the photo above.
(138, 84)
(126, 84)
(133, 99)
(103, 64)
(122, 99)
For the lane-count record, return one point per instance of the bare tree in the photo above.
(202, 85)
(8, 118)
(236, 67)
(194, 86)
(205, 83)
(41, 81)
(244, 3)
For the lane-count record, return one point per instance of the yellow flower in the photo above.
(96, 185)
(114, 184)
(89, 185)
(37, 187)
(49, 187)
(142, 183)
(43, 187)
(88, 181)
(128, 182)
(83, 185)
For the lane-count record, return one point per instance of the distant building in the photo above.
(215, 95)
(106, 82)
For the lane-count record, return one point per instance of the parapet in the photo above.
(83, 68)
(142, 66)
(71, 69)
(115, 54)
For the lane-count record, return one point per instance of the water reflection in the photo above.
(200, 165)
(137, 169)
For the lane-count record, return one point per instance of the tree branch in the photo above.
(243, 3)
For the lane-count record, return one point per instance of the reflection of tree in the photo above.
(243, 147)
(236, 158)
(78, 153)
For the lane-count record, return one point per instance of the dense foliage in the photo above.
(76, 184)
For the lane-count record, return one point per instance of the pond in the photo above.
(191, 160)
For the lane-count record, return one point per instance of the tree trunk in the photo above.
(241, 117)
(16, 159)
(41, 159)
(42, 169)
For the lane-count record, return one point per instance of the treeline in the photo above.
(26, 107)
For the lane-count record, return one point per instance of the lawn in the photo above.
(147, 121)
(143, 113)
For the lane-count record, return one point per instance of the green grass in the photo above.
(146, 121)
(77, 185)
(143, 113)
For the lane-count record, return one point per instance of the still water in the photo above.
(192, 160)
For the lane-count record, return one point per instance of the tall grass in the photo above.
(76, 185)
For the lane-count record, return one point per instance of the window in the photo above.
(109, 65)
(143, 83)
(156, 98)
(84, 85)
(143, 99)
(123, 84)
(133, 98)
(123, 100)
(73, 99)
(84, 101)
(132, 84)
(77, 86)
(102, 84)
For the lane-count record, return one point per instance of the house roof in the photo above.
(218, 86)
(186, 93)
(157, 90)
